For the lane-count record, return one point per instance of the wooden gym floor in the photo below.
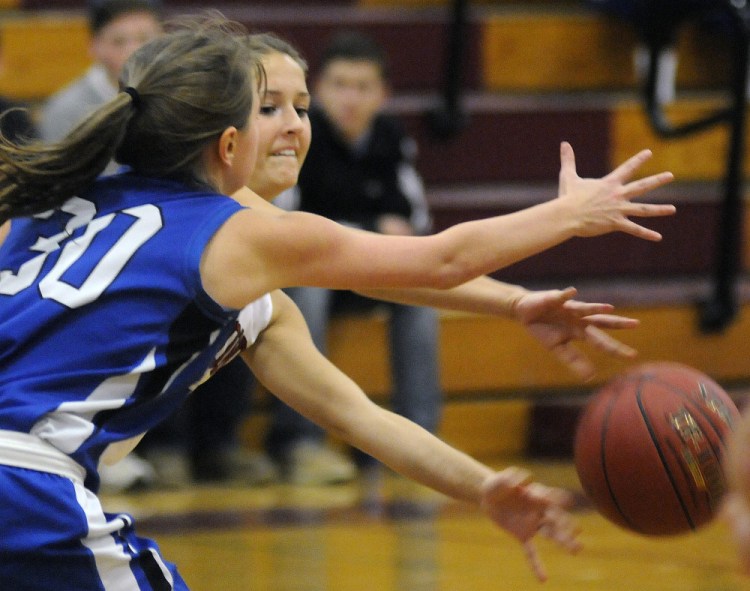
(388, 534)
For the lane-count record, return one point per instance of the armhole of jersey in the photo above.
(195, 247)
(255, 317)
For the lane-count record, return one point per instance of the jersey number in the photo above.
(147, 223)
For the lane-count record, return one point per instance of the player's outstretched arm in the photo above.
(526, 508)
(286, 361)
(607, 202)
(560, 323)
(553, 317)
(270, 250)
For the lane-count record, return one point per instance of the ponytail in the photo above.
(35, 177)
(182, 90)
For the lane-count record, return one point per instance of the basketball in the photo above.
(648, 448)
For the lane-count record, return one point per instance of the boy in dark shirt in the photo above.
(360, 171)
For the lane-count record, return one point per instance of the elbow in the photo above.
(453, 274)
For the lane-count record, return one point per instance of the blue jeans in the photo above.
(413, 335)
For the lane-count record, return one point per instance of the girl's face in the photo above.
(283, 127)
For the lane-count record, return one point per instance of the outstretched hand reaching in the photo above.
(556, 320)
(525, 508)
(608, 200)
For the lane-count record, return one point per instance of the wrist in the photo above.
(565, 216)
(516, 294)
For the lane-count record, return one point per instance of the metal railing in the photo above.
(667, 17)
(449, 117)
(658, 23)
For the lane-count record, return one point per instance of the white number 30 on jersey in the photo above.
(147, 223)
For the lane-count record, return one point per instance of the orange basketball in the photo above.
(648, 448)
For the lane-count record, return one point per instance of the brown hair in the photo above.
(184, 89)
(266, 43)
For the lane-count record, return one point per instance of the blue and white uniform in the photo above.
(104, 330)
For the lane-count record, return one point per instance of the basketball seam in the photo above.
(685, 472)
(662, 457)
(605, 471)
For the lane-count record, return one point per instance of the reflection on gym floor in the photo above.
(388, 534)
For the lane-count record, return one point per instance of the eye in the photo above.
(302, 112)
(268, 110)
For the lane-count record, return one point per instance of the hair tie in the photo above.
(135, 97)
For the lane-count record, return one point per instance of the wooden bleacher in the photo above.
(536, 73)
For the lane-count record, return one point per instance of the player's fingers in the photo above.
(567, 293)
(576, 361)
(610, 321)
(607, 343)
(561, 528)
(584, 309)
(646, 184)
(567, 166)
(630, 227)
(647, 210)
(550, 496)
(565, 536)
(535, 562)
(628, 168)
(560, 297)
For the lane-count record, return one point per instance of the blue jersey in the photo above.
(104, 325)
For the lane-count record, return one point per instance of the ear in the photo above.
(227, 145)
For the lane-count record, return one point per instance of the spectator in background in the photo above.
(118, 28)
(360, 172)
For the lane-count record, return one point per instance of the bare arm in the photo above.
(258, 251)
(287, 362)
(482, 295)
(552, 316)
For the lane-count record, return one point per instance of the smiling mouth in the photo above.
(288, 153)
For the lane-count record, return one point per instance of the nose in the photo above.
(292, 121)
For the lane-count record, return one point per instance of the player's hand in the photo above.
(557, 321)
(525, 508)
(605, 205)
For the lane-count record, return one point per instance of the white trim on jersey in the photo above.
(68, 427)
(26, 451)
(111, 558)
